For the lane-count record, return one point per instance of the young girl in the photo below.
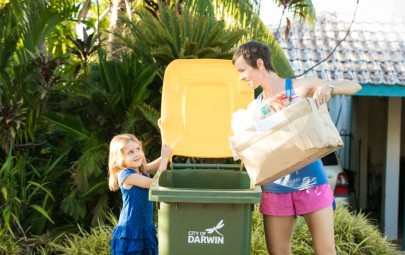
(135, 233)
(305, 192)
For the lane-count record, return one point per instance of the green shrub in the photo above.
(35, 245)
(9, 245)
(97, 241)
(354, 235)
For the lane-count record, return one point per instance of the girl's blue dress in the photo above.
(135, 233)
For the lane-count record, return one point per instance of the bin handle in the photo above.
(194, 165)
(213, 166)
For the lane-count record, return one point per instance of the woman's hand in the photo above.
(322, 94)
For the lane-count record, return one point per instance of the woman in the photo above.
(305, 192)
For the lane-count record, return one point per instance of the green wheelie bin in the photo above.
(203, 208)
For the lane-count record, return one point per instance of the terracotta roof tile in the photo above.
(373, 53)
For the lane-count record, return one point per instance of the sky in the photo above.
(368, 10)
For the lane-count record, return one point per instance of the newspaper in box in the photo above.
(286, 141)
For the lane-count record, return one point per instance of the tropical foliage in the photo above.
(73, 73)
(354, 235)
(64, 94)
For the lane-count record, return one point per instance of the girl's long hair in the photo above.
(115, 158)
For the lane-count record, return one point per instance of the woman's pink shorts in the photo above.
(297, 203)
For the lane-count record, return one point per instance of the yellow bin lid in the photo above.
(198, 99)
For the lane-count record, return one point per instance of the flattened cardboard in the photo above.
(296, 136)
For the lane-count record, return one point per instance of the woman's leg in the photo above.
(320, 224)
(278, 232)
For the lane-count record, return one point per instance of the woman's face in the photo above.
(132, 155)
(247, 73)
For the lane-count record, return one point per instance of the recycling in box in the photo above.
(286, 141)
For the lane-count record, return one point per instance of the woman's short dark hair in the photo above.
(252, 51)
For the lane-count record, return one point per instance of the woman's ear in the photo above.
(259, 63)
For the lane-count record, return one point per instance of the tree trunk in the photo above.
(118, 9)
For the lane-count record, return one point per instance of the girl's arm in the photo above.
(144, 181)
(158, 164)
(161, 162)
(154, 165)
(137, 180)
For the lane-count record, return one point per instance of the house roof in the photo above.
(373, 54)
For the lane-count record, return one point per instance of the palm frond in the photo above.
(99, 214)
(125, 83)
(72, 206)
(151, 114)
(90, 164)
(9, 36)
(173, 36)
(38, 23)
(71, 125)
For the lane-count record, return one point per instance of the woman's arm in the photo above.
(322, 90)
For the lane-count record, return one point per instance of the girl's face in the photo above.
(132, 155)
(247, 73)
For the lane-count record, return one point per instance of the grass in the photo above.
(354, 235)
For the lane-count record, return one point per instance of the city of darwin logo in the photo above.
(209, 236)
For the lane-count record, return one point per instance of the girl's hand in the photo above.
(161, 162)
(322, 94)
(166, 151)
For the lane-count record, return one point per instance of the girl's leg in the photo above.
(278, 232)
(320, 224)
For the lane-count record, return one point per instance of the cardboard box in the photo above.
(286, 141)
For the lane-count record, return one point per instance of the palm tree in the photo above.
(119, 93)
(56, 121)
(172, 36)
(27, 79)
(118, 8)
(233, 14)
